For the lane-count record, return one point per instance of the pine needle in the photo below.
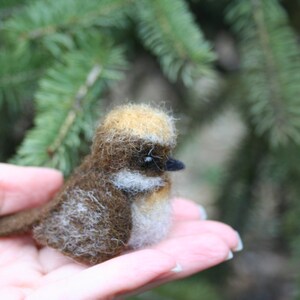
(167, 28)
(270, 69)
(66, 103)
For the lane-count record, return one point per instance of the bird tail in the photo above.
(19, 223)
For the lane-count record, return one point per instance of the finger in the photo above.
(195, 253)
(224, 231)
(25, 187)
(119, 275)
(192, 254)
(184, 209)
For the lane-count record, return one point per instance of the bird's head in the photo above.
(134, 144)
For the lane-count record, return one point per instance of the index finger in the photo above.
(184, 209)
(26, 187)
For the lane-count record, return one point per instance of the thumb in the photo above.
(26, 187)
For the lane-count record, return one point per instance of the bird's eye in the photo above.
(148, 159)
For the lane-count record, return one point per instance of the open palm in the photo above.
(28, 271)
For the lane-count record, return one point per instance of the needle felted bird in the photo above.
(118, 198)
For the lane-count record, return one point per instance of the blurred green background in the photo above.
(230, 72)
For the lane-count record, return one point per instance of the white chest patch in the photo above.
(135, 182)
(149, 224)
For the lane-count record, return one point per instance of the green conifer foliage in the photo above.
(53, 24)
(168, 30)
(270, 68)
(59, 60)
(66, 100)
(58, 45)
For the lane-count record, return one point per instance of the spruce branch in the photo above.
(18, 77)
(56, 24)
(270, 68)
(167, 28)
(66, 105)
(92, 76)
(9, 7)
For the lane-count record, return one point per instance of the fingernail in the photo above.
(177, 269)
(229, 256)
(240, 245)
(202, 211)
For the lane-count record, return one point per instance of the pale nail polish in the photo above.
(229, 256)
(177, 268)
(240, 245)
(202, 211)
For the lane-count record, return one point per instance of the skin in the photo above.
(29, 272)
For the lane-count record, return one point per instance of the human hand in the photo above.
(29, 272)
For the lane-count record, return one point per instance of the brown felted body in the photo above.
(62, 225)
(95, 215)
(91, 222)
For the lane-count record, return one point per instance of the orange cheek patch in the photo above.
(158, 196)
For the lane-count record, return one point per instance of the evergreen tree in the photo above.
(59, 59)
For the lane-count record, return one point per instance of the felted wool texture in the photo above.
(91, 218)
(19, 223)
(141, 121)
(135, 182)
(76, 225)
(119, 152)
(151, 219)
(92, 221)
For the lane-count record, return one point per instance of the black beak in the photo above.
(174, 165)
